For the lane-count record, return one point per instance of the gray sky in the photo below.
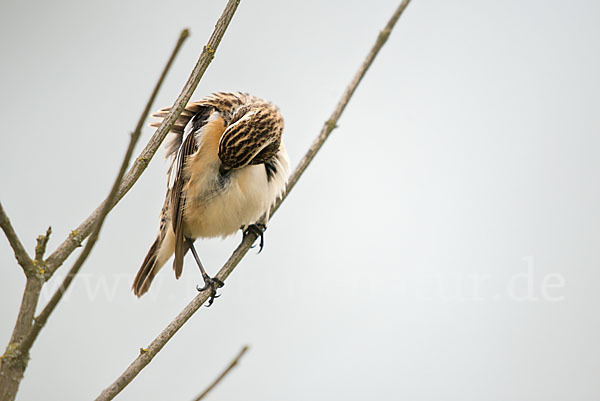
(442, 246)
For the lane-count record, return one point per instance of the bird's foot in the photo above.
(212, 284)
(258, 229)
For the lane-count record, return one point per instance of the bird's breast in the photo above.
(219, 205)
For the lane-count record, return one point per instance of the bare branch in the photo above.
(55, 260)
(42, 318)
(223, 374)
(147, 354)
(20, 253)
(14, 361)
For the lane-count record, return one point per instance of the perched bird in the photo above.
(227, 167)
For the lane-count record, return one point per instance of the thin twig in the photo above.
(42, 318)
(331, 124)
(40, 248)
(74, 240)
(223, 374)
(20, 253)
(147, 354)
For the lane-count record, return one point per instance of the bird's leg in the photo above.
(210, 283)
(258, 229)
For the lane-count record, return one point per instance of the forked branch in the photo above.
(14, 361)
(108, 204)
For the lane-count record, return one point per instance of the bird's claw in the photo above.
(258, 229)
(211, 284)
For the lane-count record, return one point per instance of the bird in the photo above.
(227, 166)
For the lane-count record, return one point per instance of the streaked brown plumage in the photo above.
(227, 167)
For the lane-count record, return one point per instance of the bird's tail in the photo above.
(160, 251)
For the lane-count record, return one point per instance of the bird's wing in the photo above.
(177, 180)
(175, 138)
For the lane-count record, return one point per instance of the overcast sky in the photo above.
(442, 246)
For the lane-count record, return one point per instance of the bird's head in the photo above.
(252, 136)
